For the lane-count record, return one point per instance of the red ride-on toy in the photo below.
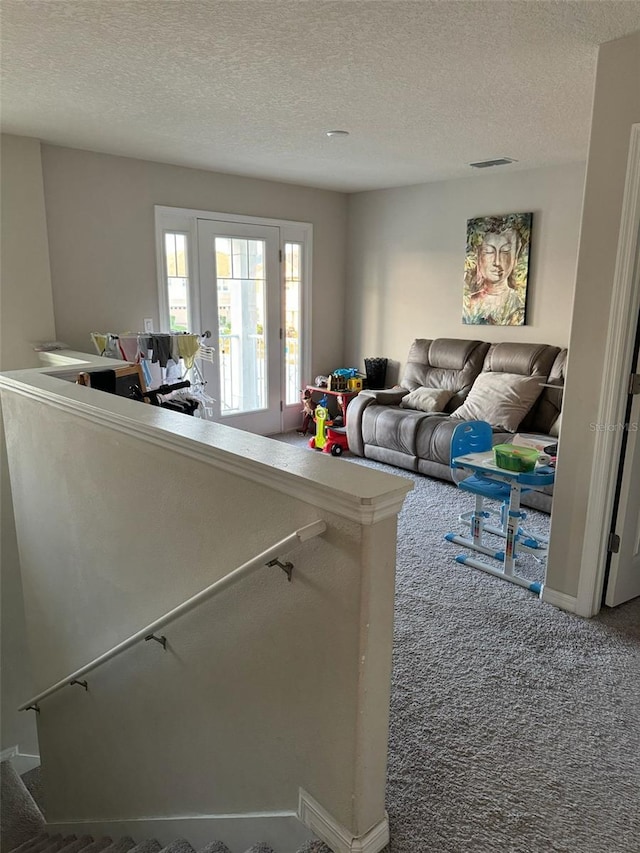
(336, 441)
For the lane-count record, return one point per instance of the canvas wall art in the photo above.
(496, 270)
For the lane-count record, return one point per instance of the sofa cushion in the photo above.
(427, 399)
(434, 439)
(392, 428)
(448, 363)
(545, 416)
(501, 399)
(385, 396)
(523, 359)
(554, 429)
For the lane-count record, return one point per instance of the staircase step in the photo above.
(45, 843)
(32, 780)
(59, 846)
(57, 842)
(181, 845)
(150, 845)
(98, 846)
(77, 845)
(122, 845)
(27, 846)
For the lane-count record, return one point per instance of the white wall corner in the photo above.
(561, 600)
(337, 836)
(20, 760)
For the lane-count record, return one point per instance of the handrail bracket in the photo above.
(81, 683)
(287, 568)
(162, 640)
(35, 707)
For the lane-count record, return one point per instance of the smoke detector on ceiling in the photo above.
(485, 164)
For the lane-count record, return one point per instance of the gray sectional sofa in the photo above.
(380, 427)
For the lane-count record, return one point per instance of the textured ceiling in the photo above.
(251, 86)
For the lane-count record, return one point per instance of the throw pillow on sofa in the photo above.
(501, 399)
(427, 399)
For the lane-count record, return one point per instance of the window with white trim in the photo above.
(186, 300)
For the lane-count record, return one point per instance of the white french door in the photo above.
(623, 582)
(624, 576)
(241, 303)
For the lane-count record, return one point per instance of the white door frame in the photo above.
(185, 220)
(623, 319)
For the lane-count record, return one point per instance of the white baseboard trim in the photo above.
(338, 837)
(282, 831)
(559, 599)
(20, 760)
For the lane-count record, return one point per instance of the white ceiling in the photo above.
(250, 86)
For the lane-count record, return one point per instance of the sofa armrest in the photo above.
(386, 396)
(355, 411)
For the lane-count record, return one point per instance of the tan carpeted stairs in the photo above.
(24, 830)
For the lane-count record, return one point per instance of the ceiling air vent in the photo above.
(484, 164)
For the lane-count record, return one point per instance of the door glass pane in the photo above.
(175, 247)
(292, 253)
(241, 287)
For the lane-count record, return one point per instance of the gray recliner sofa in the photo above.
(380, 428)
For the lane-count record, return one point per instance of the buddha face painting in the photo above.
(497, 256)
(496, 269)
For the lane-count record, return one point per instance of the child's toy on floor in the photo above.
(319, 439)
(336, 442)
(308, 410)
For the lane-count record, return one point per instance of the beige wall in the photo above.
(616, 108)
(26, 315)
(102, 241)
(406, 257)
(270, 685)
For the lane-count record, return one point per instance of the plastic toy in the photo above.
(319, 440)
(336, 441)
(339, 380)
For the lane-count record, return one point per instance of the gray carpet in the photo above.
(32, 781)
(514, 726)
(20, 817)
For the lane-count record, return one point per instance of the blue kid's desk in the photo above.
(516, 537)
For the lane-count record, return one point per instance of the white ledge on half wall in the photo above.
(357, 493)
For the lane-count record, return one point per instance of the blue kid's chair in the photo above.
(476, 437)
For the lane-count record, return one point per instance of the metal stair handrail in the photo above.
(268, 557)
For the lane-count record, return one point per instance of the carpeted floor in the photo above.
(515, 727)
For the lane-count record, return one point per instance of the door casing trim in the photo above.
(185, 220)
(623, 319)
